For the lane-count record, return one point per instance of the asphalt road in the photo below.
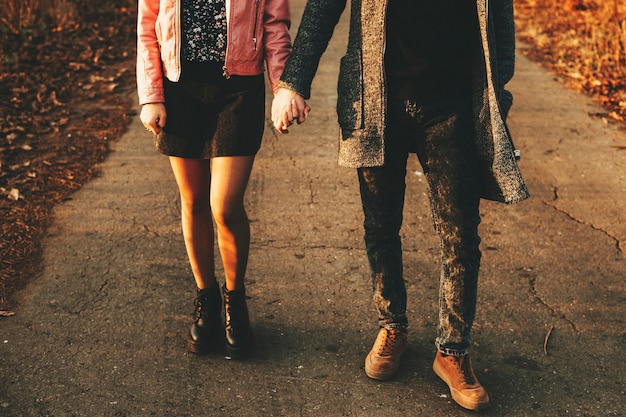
(102, 331)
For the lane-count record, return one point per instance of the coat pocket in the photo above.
(350, 92)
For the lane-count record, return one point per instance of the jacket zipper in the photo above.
(257, 5)
(225, 72)
(179, 38)
(254, 38)
(256, 20)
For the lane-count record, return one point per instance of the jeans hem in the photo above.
(452, 352)
(394, 326)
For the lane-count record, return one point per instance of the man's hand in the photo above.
(288, 106)
(153, 116)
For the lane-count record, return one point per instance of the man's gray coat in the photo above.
(362, 100)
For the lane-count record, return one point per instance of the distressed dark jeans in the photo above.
(441, 135)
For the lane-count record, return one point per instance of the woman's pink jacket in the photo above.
(258, 32)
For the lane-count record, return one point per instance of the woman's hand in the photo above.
(288, 106)
(153, 116)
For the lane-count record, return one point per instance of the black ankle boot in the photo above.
(207, 327)
(238, 332)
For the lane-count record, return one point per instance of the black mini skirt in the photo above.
(210, 116)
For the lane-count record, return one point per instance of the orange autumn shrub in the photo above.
(582, 40)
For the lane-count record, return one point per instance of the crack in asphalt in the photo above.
(555, 192)
(535, 294)
(94, 302)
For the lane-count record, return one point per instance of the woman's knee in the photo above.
(229, 216)
(195, 204)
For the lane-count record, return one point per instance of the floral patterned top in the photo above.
(204, 30)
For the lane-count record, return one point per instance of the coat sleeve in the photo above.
(504, 30)
(316, 29)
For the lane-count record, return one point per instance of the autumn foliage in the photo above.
(582, 40)
(66, 82)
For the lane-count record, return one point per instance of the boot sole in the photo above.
(200, 348)
(379, 376)
(458, 397)
(238, 353)
(203, 348)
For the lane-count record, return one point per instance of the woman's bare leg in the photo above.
(229, 179)
(193, 177)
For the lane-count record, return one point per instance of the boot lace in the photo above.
(235, 308)
(464, 365)
(203, 303)
(199, 311)
(390, 342)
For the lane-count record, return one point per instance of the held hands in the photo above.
(288, 106)
(153, 116)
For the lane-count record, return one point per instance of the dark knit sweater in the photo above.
(428, 52)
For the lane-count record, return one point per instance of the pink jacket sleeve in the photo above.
(149, 70)
(277, 20)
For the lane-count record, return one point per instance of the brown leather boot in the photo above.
(457, 372)
(384, 359)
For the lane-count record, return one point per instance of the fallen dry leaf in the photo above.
(14, 194)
